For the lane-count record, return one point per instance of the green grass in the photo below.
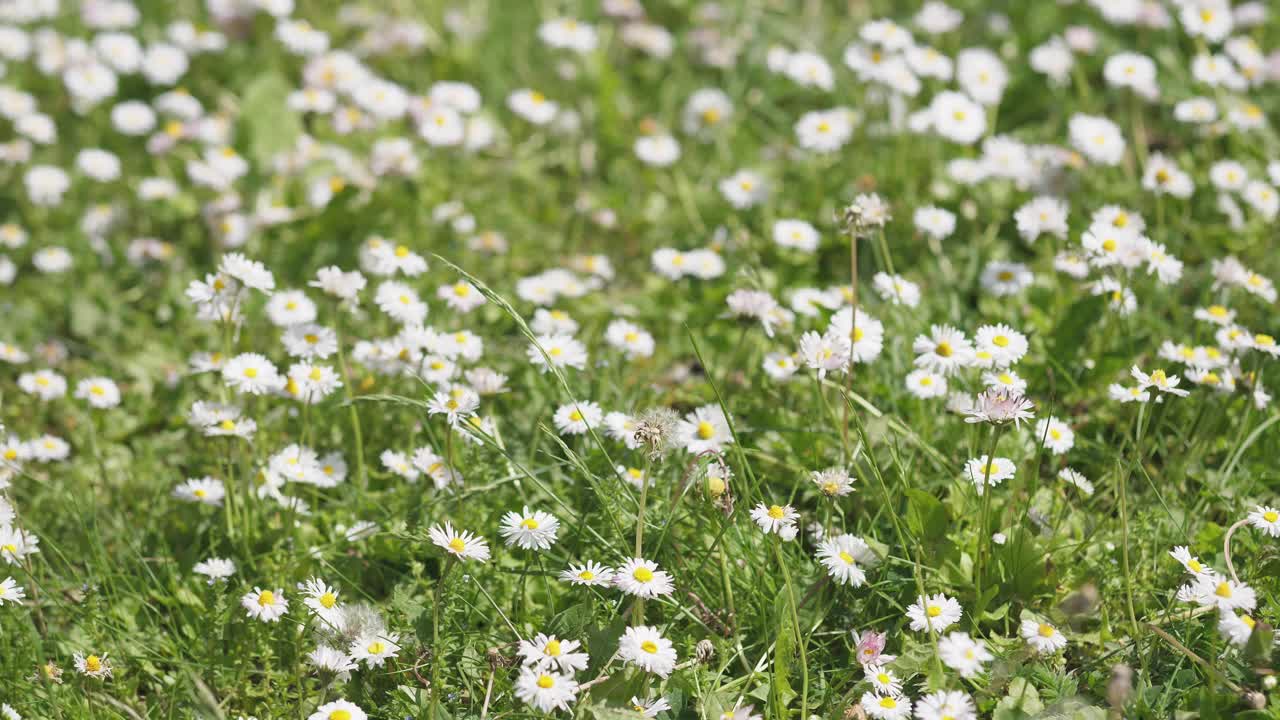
(754, 621)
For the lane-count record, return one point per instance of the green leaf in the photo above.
(926, 515)
(272, 126)
(1258, 650)
(1068, 336)
(783, 694)
(573, 621)
(1021, 701)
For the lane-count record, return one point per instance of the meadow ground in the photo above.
(733, 360)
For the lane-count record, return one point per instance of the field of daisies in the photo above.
(608, 359)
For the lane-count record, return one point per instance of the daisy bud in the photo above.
(705, 650)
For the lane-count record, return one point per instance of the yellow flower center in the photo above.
(376, 647)
(1271, 516)
(706, 430)
(546, 681)
(649, 646)
(1000, 341)
(883, 678)
(642, 574)
(1223, 590)
(251, 372)
(888, 703)
(227, 425)
(933, 611)
(265, 598)
(328, 600)
(93, 663)
(776, 512)
(9, 548)
(1045, 630)
(552, 648)
(340, 715)
(529, 524)
(943, 349)
(457, 545)
(575, 416)
(846, 557)
(586, 575)
(402, 251)
(461, 290)
(1194, 565)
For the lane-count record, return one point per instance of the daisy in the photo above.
(99, 392)
(1236, 628)
(577, 418)
(644, 647)
(16, 544)
(252, 374)
(706, 428)
(1004, 345)
(1056, 435)
(1044, 638)
(374, 649)
(955, 117)
(560, 351)
(946, 705)
(1190, 562)
(1006, 278)
(630, 338)
(841, 556)
(925, 384)
(963, 654)
(796, 234)
(400, 302)
(44, 384)
(650, 707)
(744, 189)
(936, 612)
(997, 405)
(322, 600)
(546, 652)
(546, 691)
(776, 519)
(833, 482)
(985, 474)
(1073, 477)
(885, 707)
(206, 490)
(589, 573)
(865, 333)
(331, 660)
(945, 350)
(896, 289)
(94, 666)
(1124, 394)
(215, 569)
(1266, 519)
(11, 591)
(455, 403)
(642, 578)
(882, 679)
(870, 647)
(1159, 380)
(461, 544)
(1006, 381)
(825, 353)
(265, 605)
(530, 529)
(338, 710)
(461, 296)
